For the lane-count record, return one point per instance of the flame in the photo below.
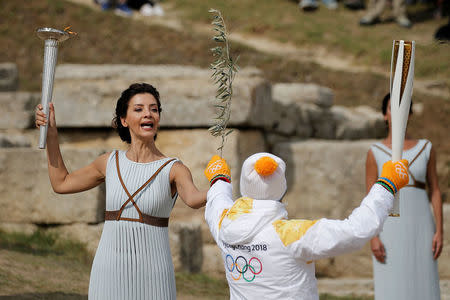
(68, 31)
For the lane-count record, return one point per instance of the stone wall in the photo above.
(324, 146)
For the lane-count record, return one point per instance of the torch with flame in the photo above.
(52, 38)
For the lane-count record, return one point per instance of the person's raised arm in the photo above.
(219, 196)
(327, 238)
(182, 177)
(436, 202)
(61, 180)
(376, 245)
(371, 171)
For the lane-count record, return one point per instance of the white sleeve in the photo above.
(218, 199)
(328, 238)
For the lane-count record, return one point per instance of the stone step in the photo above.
(85, 97)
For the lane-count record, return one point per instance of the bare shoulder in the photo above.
(101, 162)
(179, 169)
(178, 166)
(370, 157)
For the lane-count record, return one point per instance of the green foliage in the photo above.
(224, 70)
(43, 243)
(202, 285)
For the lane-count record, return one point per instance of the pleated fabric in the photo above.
(133, 260)
(410, 272)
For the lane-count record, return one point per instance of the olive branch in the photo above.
(224, 70)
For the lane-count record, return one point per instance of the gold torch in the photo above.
(401, 86)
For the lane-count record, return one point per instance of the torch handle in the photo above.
(48, 77)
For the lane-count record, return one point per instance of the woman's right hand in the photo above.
(41, 118)
(378, 249)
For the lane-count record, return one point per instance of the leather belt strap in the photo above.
(111, 215)
(418, 184)
(143, 218)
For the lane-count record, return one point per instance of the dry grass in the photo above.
(337, 31)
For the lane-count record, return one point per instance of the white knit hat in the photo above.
(262, 177)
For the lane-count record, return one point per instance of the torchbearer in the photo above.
(52, 38)
(401, 86)
(265, 254)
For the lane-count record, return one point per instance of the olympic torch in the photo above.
(52, 38)
(401, 86)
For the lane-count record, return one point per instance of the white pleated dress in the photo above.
(409, 272)
(133, 260)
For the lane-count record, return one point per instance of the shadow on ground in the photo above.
(46, 296)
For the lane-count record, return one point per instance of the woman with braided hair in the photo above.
(406, 251)
(133, 259)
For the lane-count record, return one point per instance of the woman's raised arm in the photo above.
(61, 180)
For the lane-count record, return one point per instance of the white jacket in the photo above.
(267, 256)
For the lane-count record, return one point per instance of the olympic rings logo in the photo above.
(216, 166)
(240, 267)
(401, 171)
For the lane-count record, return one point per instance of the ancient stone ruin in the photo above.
(324, 146)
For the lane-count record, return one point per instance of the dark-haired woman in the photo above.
(133, 259)
(405, 253)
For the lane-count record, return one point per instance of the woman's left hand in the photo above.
(437, 245)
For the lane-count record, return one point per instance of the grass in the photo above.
(337, 31)
(34, 266)
(42, 243)
(201, 285)
(42, 266)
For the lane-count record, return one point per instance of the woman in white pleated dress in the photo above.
(406, 251)
(133, 259)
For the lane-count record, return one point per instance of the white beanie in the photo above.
(262, 177)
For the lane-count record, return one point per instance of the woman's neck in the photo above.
(143, 152)
(408, 143)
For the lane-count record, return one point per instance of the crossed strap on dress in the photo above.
(416, 184)
(143, 218)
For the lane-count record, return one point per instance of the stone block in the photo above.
(187, 94)
(13, 140)
(325, 178)
(18, 228)
(303, 93)
(26, 194)
(360, 122)
(9, 77)
(18, 109)
(186, 246)
(303, 110)
(88, 234)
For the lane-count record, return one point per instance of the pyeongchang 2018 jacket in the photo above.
(268, 256)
